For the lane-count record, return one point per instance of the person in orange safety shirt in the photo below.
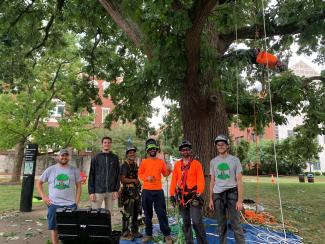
(150, 173)
(186, 188)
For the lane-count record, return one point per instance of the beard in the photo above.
(153, 153)
(63, 162)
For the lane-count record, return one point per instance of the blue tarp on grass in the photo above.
(253, 234)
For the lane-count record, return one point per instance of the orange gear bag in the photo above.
(267, 59)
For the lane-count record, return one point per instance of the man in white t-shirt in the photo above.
(226, 190)
(64, 184)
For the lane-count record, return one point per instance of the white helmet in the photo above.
(222, 138)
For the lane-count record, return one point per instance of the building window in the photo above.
(316, 166)
(276, 133)
(94, 83)
(290, 133)
(105, 85)
(261, 135)
(58, 110)
(253, 137)
(105, 112)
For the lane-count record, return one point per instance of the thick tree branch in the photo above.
(46, 36)
(129, 27)
(219, 44)
(13, 23)
(272, 29)
(97, 39)
(198, 14)
(59, 6)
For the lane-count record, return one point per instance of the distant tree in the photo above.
(28, 98)
(171, 132)
(121, 134)
(299, 150)
(293, 154)
(241, 150)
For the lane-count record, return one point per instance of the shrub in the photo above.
(317, 173)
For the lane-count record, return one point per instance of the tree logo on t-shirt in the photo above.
(62, 181)
(223, 171)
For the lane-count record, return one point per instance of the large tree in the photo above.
(29, 94)
(176, 49)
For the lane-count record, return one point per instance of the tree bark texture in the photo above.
(202, 122)
(18, 162)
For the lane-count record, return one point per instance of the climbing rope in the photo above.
(257, 160)
(266, 236)
(272, 123)
(237, 77)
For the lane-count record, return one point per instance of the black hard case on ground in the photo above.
(85, 226)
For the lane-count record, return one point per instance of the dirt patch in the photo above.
(17, 227)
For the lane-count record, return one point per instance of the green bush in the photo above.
(317, 173)
(323, 173)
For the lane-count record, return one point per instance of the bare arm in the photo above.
(78, 192)
(40, 190)
(167, 169)
(125, 180)
(240, 187)
(212, 182)
(173, 183)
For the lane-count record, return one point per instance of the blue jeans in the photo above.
(156, 199)
(51, 214)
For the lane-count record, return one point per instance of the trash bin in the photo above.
(310, 178)
(302, 178)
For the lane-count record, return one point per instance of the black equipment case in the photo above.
(85, 226)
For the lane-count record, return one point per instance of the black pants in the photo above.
(155, 199)
(131, 209)
(224, 203)
(195, 213)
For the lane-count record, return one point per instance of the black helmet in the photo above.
(221, 138)
(130, 147)
(183, 144)
(151, 143)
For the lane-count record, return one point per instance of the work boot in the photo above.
(168, 240)
(127, 235)
(146, 239)
(136, 234)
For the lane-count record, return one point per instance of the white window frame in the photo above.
(105, 85)
(54, 112)
(103, 113)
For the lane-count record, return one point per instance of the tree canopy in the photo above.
(175, 49)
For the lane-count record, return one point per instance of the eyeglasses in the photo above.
(152, 149)
(185, 149)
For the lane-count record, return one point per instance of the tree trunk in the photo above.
(202, 122)
(18, 162)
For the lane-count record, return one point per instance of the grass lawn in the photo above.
(303, 203)
(10, 196)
